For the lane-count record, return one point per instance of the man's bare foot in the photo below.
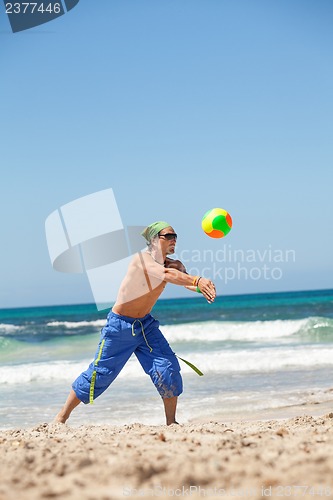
(171, 423)
(71, 403)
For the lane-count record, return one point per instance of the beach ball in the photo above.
(216, 223)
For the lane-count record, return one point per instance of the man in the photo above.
(131, 328)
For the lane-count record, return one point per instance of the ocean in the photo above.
(261, 354)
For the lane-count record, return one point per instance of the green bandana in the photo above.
(151, 231)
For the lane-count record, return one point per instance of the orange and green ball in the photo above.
(216, 223)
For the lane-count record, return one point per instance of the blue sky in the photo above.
(179, 106)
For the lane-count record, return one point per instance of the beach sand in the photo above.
(239, 459)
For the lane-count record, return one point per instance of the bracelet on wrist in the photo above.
(195, 280)
(198, 290)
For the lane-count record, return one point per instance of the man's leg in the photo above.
(112, 353)
(170, 405)
(71, 403)
(161, 364)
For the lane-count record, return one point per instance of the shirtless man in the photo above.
(131, 328)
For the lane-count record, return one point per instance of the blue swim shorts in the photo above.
(120, 338)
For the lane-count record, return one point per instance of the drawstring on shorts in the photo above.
(143, 333)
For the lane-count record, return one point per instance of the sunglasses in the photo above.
(168, 236)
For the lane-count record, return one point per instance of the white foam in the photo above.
(233, 330)
(57, 370)
(7, 328)
(226, 361)
(77, 324)
(34, 372)
(262, 360)
(249, 331)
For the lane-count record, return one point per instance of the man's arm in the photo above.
(205, 285)
(177, 264)
(173, 274)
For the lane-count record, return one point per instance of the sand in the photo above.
(290, 458)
